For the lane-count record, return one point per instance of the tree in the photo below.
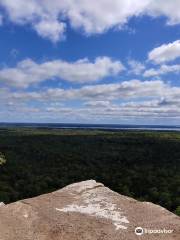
(2, 159)
(177, 211)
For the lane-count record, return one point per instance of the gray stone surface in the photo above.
(1, 204)
(85, 211)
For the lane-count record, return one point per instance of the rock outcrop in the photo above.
(86, 211)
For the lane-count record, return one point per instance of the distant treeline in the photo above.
(143, 165)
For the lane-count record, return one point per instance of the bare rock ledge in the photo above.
(86, 211)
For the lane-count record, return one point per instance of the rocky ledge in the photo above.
(86, 211)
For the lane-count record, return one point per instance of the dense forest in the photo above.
(143, 165)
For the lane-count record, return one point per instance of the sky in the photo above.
(81, 61)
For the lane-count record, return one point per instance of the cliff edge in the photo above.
(86, 211)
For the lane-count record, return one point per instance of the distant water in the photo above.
(91, 126)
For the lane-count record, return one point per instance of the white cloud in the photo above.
(132, 99)
(127, 90)
(98, 104)
(53, 30)
(98, 16)
(91, 16)
(28, 72)
(166, 52)
(136, 67)
(168, 8)
(43, 16)
(103, 93)
(164, 69)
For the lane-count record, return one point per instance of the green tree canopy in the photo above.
(2, 159)
(177, 211)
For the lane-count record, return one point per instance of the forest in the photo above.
(144, 165)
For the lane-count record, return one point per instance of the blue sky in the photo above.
(90, 62)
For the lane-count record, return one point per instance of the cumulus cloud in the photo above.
(165, 53)
(132, 99)
(98, 104)
(127, 90)
(136, 67)
(53, 30)
(164, 69)
(28, 72)
(103, 93)
(168, 8)
(91, 16)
